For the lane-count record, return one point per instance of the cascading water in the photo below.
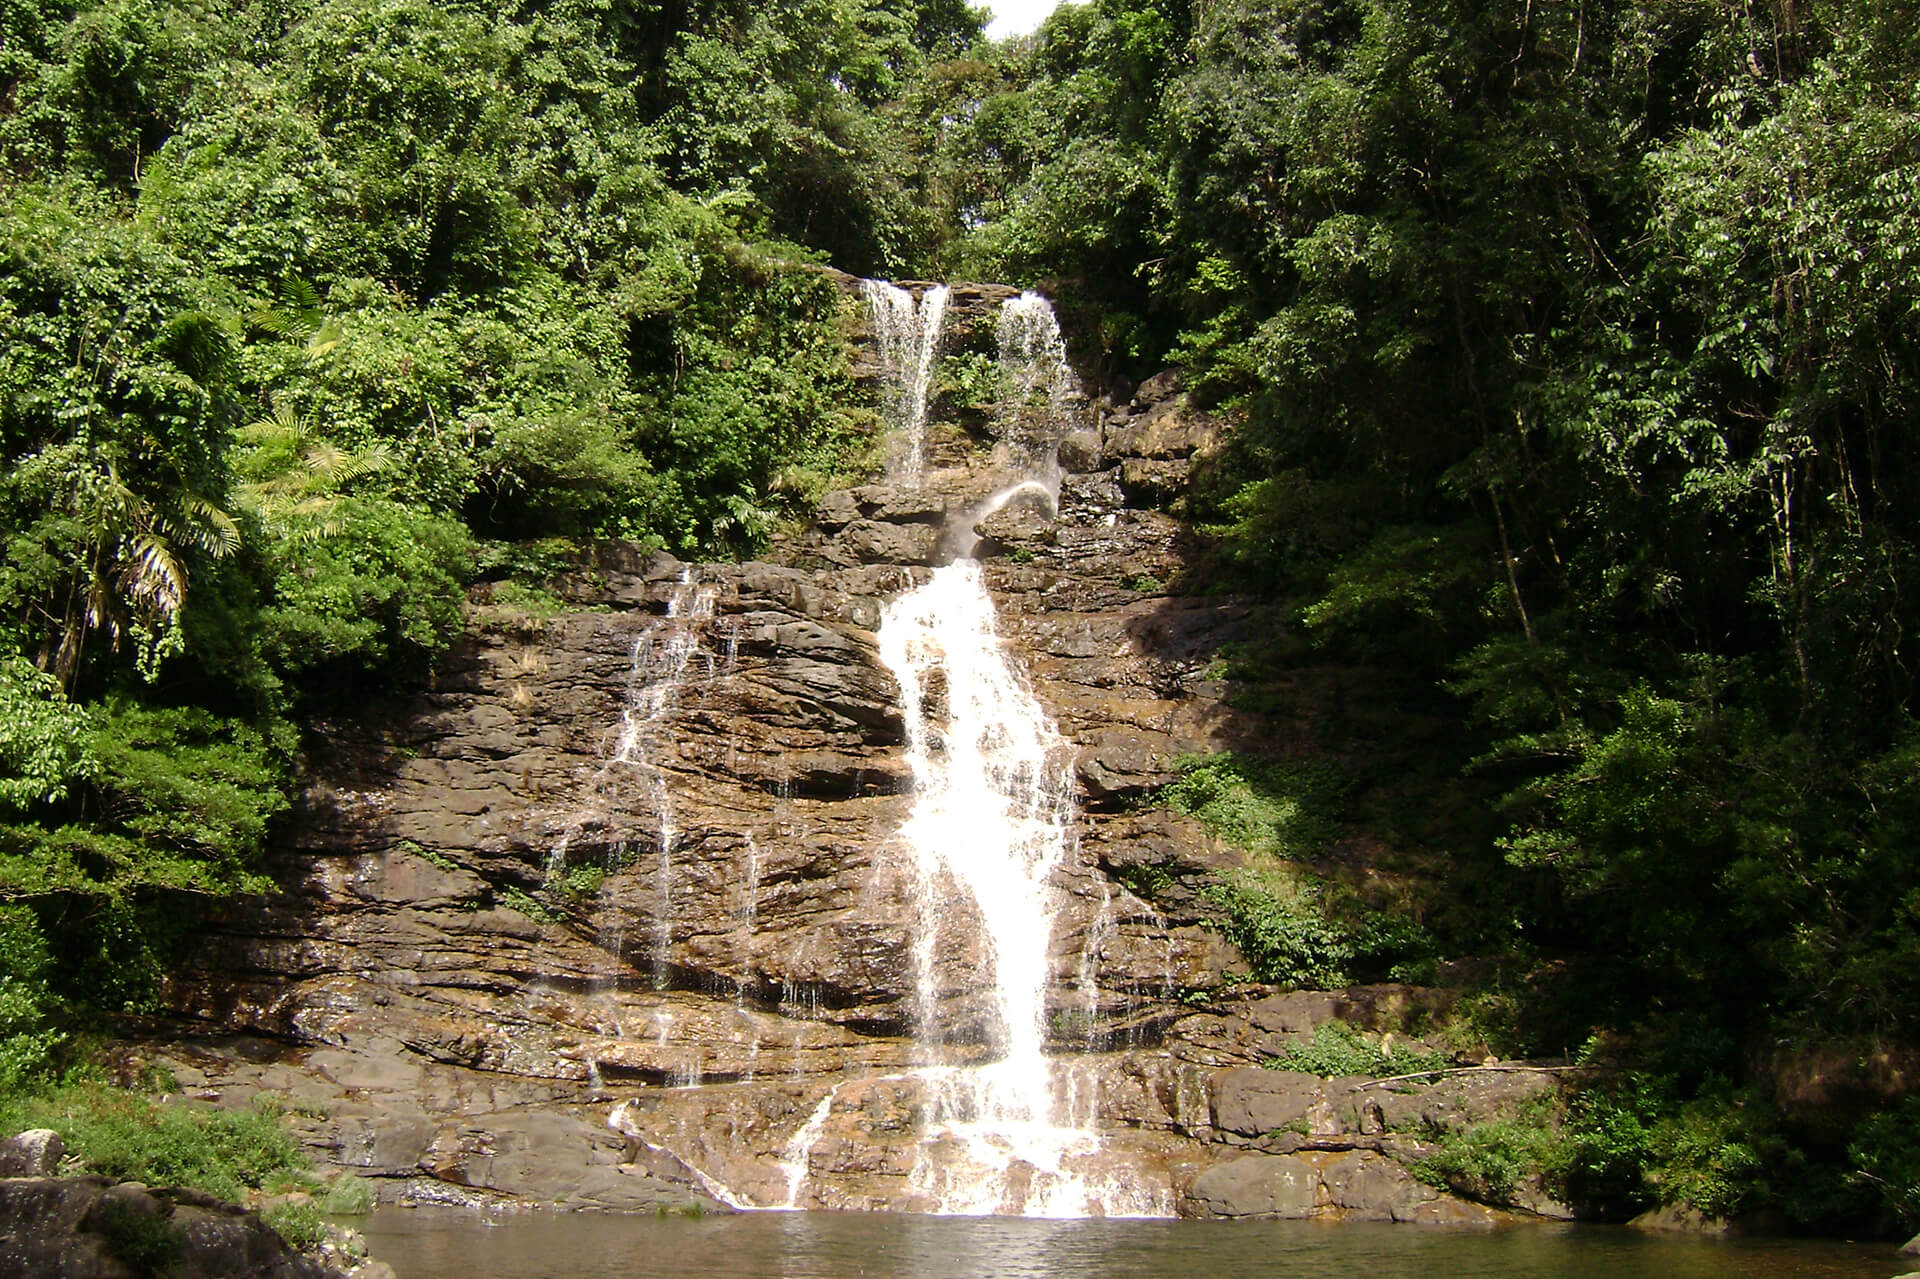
(1037, 387)
(991, 821)
(998, 1126)
(907, 333)
(656, 674)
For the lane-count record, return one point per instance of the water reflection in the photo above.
(423, 1244)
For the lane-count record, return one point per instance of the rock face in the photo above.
(616, 915)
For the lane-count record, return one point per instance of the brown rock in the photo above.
(84, 1227)
(871, 542)
(1279, 1186)
(1149, 483)
(1371, 1187)
(1679, 1219)
(1253, 1101)
(1159, 387)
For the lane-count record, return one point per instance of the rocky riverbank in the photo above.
(80, 1227)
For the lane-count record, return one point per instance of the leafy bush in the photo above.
(300, 1222)
(1263, 806)
(347, 1196)
(1487, 1161)
(118, 1134)
(1340, 1049)
(1885, 1159)
(28, 1004)
(1276, 922)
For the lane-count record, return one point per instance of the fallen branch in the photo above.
(1463, 1070)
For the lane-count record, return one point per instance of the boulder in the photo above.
(1161, 386)
(1253, 1101)
(873, 542)
(1369, 1187)
(36, 1152)
(90, 1228)
(1149, 482)
(1280, 1186)
(1679, 1218)
(1080, 452)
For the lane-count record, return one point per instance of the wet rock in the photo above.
(1911, 1248)
(1280, 1186)
(1081, 452)
(36, 1152)
(1679, 1218)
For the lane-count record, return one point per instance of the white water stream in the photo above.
(907, 333)
(992, 820)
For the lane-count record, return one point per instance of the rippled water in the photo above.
(432, 1244)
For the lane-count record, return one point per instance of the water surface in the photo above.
(441, 1244)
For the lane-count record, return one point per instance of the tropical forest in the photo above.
(1544, 368)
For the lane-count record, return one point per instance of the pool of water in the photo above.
(442, 1244)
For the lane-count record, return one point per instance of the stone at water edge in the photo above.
(1280, 1186)
(1680, 1219)
(1911, 1248)
(52, 1228)
(36, 1152)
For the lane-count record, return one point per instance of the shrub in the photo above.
(1277, 924)
(118, 1134)
(1340, 1049)
(1263, 806)
(1488, 1161)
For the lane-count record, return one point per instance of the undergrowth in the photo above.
(1338, 1049)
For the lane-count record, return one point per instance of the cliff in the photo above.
(617, 913)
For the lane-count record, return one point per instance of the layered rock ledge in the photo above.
(608, 914)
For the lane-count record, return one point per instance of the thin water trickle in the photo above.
(796, 1157)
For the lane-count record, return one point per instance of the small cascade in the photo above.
(907, 333)
(795, 1158)
(1038, 391)
(658, 670)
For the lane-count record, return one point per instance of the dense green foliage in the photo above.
(1573, 357)
(307, 309)
(1337, 1049)
(1570, 352)
(124, 1135)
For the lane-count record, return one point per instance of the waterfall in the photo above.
(907, 334)
(1037, 388)
(990, 822)
(991, 1123)
(992, 819)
